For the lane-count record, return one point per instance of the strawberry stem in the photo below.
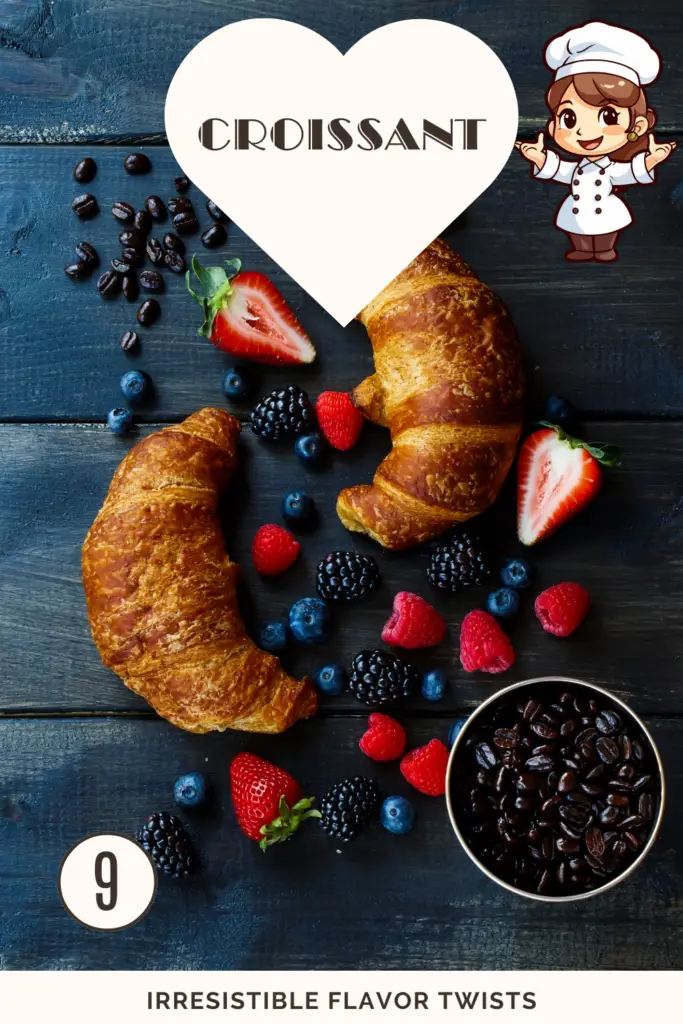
(215, 289)
(605, 454)
(288, 821)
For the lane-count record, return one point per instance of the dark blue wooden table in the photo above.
(79, 753)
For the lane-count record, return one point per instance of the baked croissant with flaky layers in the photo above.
(449, 384)
(160, 588)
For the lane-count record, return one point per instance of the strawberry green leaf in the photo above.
(215, 289)
(287, 822)
(605, 454)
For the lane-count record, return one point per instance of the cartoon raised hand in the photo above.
(657, 152)
(533, 151)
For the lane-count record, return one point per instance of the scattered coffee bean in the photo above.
(155, 207)
(137, 163)
(154, 250)
(181, 183)
(174, 261)
(215, 236)
(85, 170)
(123, 212)
(132, 256)
(180, 204)
(132, 238)
(78, 269)
(151, 280)
(87, 253)
(573, 801)
(143, 221)
(186, 223)
(148, 312)
(174, 243)
(120, 266)
(109, 284)
(129, 341)
(215, 212)
(131, 288)
(85, 206)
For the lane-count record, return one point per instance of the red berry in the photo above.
(339, 420)
(269, 802)
(484, 647)
(425, 768)
(273, 549)
(560, 609)
(414, 623)
(385, 739)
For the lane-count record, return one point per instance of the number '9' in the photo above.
(110, 883)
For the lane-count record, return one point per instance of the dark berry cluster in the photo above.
(347, 806)
(164, 837)
(460, 563)
(346, 576)
(379, 678)
(283, 413)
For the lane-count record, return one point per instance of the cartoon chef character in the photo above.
(599, 114)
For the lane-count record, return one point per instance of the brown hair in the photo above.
(598, 91)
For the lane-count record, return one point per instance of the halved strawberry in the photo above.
(246, 315)
(557, 476)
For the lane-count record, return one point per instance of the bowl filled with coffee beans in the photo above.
(555, 789)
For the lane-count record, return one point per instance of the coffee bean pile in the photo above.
(555, 794)
(137, 244)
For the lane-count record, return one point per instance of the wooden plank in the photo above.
(627, 549)
(609, 337)
(412, 902)
(81, 71)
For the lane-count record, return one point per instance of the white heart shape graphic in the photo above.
(343, 222)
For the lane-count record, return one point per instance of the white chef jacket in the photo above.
(591, 207)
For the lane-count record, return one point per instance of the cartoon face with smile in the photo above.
(600, 115)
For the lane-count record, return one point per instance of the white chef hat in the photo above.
(598, 47)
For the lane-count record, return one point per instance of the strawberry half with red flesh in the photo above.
(557, 476)
(246, 315)
(269, 802)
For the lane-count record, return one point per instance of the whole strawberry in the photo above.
(269, 802)
(484, 647)
(414, 623)
(425, 768)
(339, 420)
(274, 549)
(560, 609)
(385, 739)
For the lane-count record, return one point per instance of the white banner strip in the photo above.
(551, 997)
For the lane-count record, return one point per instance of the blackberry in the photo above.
(346, 576)
(164, 837)
(460, 563)
(347, 806)
(379, 678)
(283, 413)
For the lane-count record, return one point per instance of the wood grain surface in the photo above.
(385, 902)
(606, 336)
(81, 754)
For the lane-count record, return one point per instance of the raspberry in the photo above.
(414, 623)
(484, 647)
(385, 739)
(273, 549)
(560, 609)
(339, 420)
(425, 768)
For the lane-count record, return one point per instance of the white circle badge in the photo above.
(107, 882)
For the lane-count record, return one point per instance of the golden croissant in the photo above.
(449, 384)
(160, 588)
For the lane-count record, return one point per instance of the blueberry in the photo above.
(297, 507)
(455, 731)
(190, 790)
(135, 385)
(331, 679)
(516, 573)
(310, 447)
(273, 636)
(236, 383)
(309, 620)
(561, 412)
(120, 420)
(397, 815)
(503, 603)
(434, 684)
